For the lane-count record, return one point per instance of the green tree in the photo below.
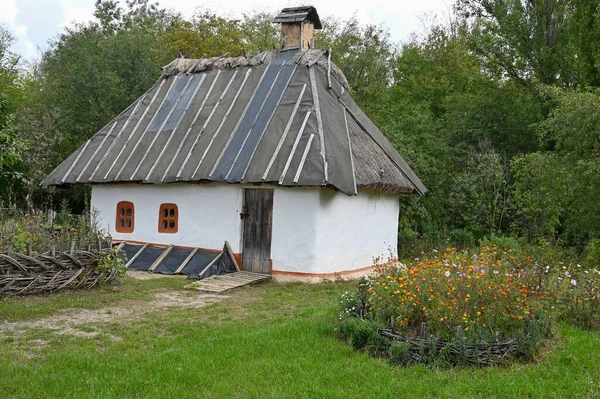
(11, 144)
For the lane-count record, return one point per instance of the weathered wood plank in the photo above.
(138, 253)
(225, 282)
(186, 260)
(162, 257)
(257, 230)
(210, 264)
(232, 255)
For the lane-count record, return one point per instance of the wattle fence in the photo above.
(22, 274)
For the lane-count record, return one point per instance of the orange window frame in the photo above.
(125, 221)
(168, 219)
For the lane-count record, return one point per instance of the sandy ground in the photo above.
(68, 322)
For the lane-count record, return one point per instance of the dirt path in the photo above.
(68, 321)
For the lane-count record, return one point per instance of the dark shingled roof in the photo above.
(281, 117)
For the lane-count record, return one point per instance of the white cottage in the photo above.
(269, 153)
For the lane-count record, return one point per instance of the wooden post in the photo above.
(99, 244)
(28, 248)
(10, 244)
(72, 247)
(53, 248)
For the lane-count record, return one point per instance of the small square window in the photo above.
(125, 217)
(168, 220)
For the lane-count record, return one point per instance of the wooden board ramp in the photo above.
(229, 281)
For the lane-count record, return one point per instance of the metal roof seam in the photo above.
(304, 155)
(206, 123)
(315, 94)
(134, 129)
(212, 139)
(253, 123)
(234, 131)
(212, 86)
(116, 139)
(145, 130)
(96, 152)
(269, 121)
(300, 132)
(162, 125)
(172, 135)
(350, 149)
(285, 132)
(189, 129)
(76, 160)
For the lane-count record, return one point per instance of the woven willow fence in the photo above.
(481, 354)
(38, 273)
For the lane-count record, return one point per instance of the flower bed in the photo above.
(452, 304)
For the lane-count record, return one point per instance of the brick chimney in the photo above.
(298, 26)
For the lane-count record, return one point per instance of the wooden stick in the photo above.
(232, 255)
(186, 261)
(329, 68)
(138, 253)
(162, 257)
(28, 248)
(210, 264)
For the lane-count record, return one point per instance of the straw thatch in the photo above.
(306, 58)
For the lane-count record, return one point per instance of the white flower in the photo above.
(447, 274)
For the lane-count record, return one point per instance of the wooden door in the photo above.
(258, 214)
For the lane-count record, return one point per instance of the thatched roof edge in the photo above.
(307, 58)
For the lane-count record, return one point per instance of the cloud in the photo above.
(34, 22)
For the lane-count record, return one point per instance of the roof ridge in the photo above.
(188, 66)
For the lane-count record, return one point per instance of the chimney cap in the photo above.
(299, 15)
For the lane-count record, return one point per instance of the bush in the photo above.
(112, 259)
(462, 238)
(359, 333)
(593, 252)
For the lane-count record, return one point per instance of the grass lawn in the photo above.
(271, 340)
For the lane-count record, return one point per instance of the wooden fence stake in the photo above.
(72, 247)
(28, 248)
(53, 249)
(10, 244)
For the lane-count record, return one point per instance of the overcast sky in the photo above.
(33, 22)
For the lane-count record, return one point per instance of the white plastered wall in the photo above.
(314, 231)
(209, 214)
(321, 231)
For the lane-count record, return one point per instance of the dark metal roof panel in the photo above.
(277, 122)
